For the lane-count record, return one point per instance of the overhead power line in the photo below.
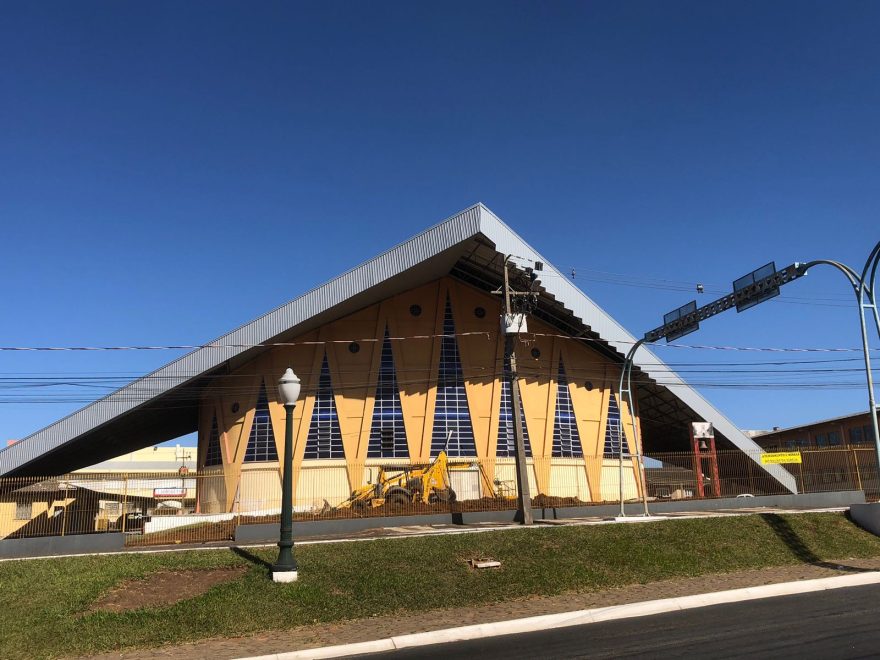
(656, 283)
(525, 338)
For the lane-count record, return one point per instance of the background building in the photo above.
(836, 454)
(852, 430)
(153, 480)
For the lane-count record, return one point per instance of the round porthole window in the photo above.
(589, 386)
(354, 347)
(415, 310)
(536, 353)
(235, 407)
(479, 312)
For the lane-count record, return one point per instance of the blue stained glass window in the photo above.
(566, 441)
(213, 456)
(387, 434)
(451, 412)
(261, 444)
(325, 438)
(613, 429)
(506, 446)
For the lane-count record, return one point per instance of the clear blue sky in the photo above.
(171, 170)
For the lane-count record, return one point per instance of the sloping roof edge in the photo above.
(460, 227)
(395, 261)
(509, 242)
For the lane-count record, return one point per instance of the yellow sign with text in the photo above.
(781, 457)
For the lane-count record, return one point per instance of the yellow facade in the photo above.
(231, 399)
(36, 506)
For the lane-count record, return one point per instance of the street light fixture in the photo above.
(284, 569)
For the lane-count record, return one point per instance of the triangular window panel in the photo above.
(613, 429)
(261, 444)
(506, 445)
(325, 438)
(566, 441)
(213, 456)
(452, 421)
(387, 433)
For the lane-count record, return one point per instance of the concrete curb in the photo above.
(580, 617)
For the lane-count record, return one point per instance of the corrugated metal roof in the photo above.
(764, 435)
(419, 250)
(395, 261)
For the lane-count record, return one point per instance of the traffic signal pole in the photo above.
(864, 286)
(687, 319)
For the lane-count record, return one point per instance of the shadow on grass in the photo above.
(253, 559)
(801, 550)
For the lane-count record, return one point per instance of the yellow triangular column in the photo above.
(537, 384)
(477, 322)
(351, 345)
(236, 416)
(301, 357)
(414, 314)
(586, 376)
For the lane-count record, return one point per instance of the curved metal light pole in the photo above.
(626, 378)
(865, 290)
(688, 316)
(871, 282)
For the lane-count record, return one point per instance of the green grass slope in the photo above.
(45, 602)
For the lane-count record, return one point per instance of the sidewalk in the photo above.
(408, 531)
(321, 635)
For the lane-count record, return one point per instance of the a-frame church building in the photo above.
(401, 357)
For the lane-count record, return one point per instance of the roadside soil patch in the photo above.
(163, 588)
(380, 627)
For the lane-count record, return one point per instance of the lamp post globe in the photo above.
(284, 569)
(288, 388)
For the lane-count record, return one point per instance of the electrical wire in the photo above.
(18, 388)
(684, 285)
(524, 338)
(142, 391)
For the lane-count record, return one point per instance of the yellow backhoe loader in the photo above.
(401, 485)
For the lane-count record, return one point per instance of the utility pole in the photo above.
(512, 325)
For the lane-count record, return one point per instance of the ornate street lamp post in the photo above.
(284, 569)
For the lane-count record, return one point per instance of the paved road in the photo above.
(840, 623)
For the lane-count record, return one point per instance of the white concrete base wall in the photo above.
(505, 472)
(611, 481)
(161, 523)
(866, 516)
(568, 478)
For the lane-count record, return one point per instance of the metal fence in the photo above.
(156, 509)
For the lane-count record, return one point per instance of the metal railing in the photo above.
(156, 509)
